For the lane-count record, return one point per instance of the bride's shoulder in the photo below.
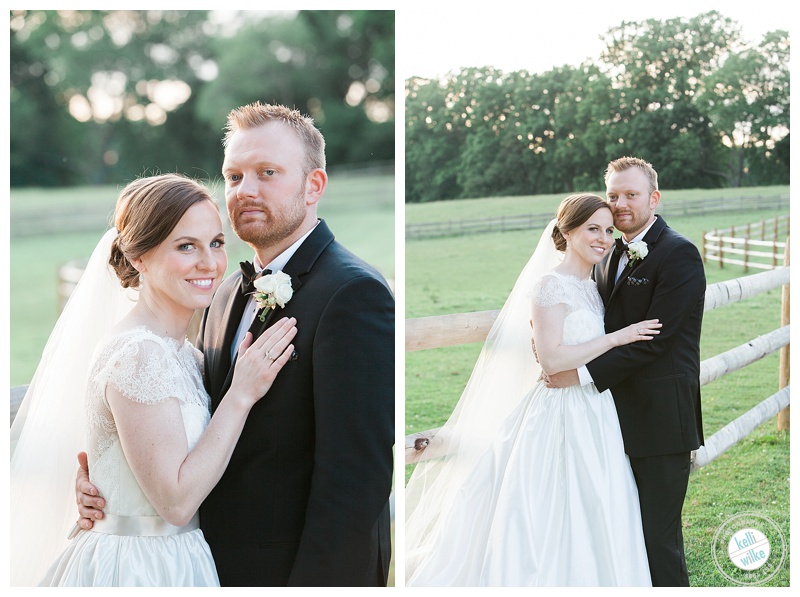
(550, 278)
(123, 336)
(132, 358)
(548, 289)
(124, 343)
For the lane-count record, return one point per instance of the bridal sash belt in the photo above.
(142, 526)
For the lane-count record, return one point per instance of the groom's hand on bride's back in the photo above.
(90, 504)
(562, 379)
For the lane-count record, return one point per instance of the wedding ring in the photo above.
(270, 357)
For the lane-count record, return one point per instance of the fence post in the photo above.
(783, 415)
(721, 250)
(745, 254)
(704, 245)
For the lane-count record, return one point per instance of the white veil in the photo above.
(49, 429)
(504, 372)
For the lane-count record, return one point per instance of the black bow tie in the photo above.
(620, 246)
(250, 275)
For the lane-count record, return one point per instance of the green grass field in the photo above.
(358, 208)
(461, 274)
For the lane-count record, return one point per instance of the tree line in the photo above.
(99, 97)
(707, 109)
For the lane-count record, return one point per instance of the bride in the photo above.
(118, 365)
(535, 488)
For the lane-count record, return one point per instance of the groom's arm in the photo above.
(354, 417)
(562, 379)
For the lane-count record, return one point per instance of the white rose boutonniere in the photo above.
(637, 250)
(273, 290)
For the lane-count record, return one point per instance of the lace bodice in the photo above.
(584, 307)
(146, 368)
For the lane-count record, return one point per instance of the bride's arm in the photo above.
(174, 479)
(554, 356)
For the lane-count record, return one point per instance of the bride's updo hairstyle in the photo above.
(148, 209)
(574, 211)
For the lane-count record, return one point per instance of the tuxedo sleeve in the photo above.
(353, 374)
(676, 302)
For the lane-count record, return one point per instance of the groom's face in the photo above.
(632, 202)
(265, 185)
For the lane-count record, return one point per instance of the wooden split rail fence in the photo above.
(751, 245)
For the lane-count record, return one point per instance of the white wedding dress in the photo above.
(553, 502)
(133, 545)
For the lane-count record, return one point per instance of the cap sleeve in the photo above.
(548, 291)
(142, 368)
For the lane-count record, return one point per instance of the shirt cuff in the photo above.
(584, 376)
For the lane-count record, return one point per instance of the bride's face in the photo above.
(593, 239)
(188, 266)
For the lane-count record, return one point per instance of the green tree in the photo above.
(433, 143)
(747, 100)
(493, 159)
(336, 66)
(104, 96)
(582, 109)
(113, 78)
(658, 69)
(41, 133)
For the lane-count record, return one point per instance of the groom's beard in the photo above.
(634, 225)
(279, 224)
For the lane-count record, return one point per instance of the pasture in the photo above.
(474, 273)
(358, 207)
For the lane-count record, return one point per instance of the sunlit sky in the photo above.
(537, 36)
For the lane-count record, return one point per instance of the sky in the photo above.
(434, 38)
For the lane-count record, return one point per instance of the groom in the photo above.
(305, 498)
(655, 385)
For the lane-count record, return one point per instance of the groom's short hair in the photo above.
(256, 114)
(621, 164)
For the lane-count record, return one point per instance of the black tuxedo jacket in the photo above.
(305, 498)
(655, 383)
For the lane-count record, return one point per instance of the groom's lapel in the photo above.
(609, 271)
(234, 308)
